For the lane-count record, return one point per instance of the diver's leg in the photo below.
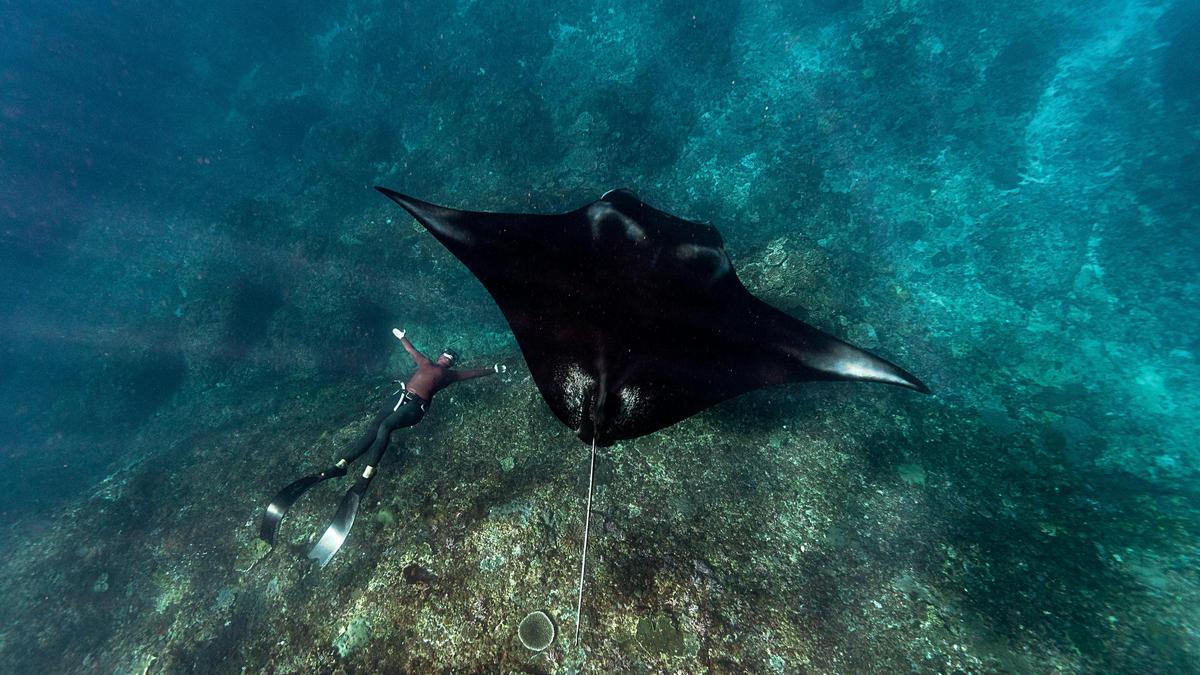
(333, 537)
(278, 507)
(367, 438)
(404, 416)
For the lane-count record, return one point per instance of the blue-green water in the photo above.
(197, 287)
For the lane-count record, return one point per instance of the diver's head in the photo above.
(447, 358)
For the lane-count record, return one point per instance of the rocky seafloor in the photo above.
(1000, 199)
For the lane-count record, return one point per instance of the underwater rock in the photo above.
(249, 554)
(225, 598)
(863, 334)
(415, 574)
(659, 635)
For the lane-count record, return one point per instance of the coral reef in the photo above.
(536, 631)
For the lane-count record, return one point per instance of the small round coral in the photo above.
(536, 631)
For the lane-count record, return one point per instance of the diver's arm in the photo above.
(460, 375)
(417, 357)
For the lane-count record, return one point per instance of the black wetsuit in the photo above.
(406, 411)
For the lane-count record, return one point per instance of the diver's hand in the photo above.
(399, 333)
(500, 368)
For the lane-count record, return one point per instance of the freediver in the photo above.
(413, 401)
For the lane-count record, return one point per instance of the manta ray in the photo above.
(631, 319)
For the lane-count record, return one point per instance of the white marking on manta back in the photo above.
(632, 399)
(713, 256)
(575, 384)
(601, 214)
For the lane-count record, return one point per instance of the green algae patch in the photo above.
(385, 517)
(913, 474)
(225, 598)
(249, 554)
(660, 636)
(355, 637)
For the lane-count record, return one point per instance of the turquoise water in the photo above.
(197, 288)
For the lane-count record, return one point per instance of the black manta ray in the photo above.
(632, 319)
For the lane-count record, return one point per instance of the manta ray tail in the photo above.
(587, 521)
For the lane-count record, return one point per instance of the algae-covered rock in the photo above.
(385, 517)
(659, 635)
(863, 334)
(249, 554)
(356, 635)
